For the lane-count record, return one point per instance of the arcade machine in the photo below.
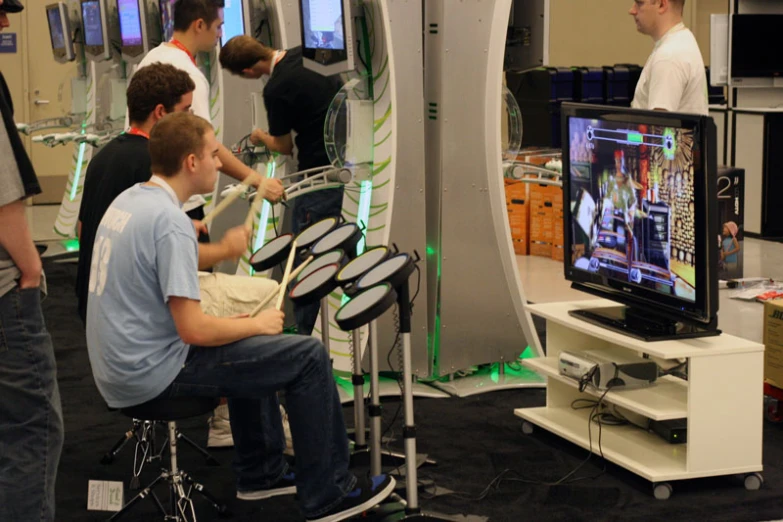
(140, 30)
(104, 92)
(473, 275)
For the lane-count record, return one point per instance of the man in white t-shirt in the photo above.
(198, 25)
(674, 78)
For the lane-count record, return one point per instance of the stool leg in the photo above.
(146, 492)
(108, 457)
(222, 509)
(212, 461)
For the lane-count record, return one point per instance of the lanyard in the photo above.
(176, 43)
(133, 131)
(276, 58)
(166, 187)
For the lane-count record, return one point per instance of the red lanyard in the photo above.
(136, 132)
(178, 44)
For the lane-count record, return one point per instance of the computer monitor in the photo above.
(640, 218)
(236, 19)
(60, 32)
(327, 36)
(753, 59)
(95, 30)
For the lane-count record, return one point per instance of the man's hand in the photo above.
(200, 227)
(235, 241)
(31, 275)
(270, 322)
(273, 190)
(257, 137)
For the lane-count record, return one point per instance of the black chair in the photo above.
(181, 485)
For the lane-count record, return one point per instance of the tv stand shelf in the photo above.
(722, 400)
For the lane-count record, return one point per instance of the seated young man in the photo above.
(148, 337)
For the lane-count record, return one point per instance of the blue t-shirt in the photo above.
(145, 252)
(728, 246)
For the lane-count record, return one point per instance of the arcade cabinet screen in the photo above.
(233, 20)
(323, 24)
(632, 204)
(130, 22)
(93, 29)
(166, 18)
(56, 27)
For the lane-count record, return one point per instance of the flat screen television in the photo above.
(95, 30)
(236, 20)
(327, 35)
(754, 38)
(640, 218)
(60, 32)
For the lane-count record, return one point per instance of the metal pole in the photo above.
(358, 392)
(375, 405)
(325, 325)
(411, 473)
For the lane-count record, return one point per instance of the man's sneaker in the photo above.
(284, 486)
(368, 493)
(289, 442)
(220, 429)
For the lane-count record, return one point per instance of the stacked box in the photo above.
(542, 219)
(773, 342)
(558, 239)
(518, 215)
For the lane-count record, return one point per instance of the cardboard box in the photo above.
(542, 218)
(558, 253)
(773, 342)
(518, 207)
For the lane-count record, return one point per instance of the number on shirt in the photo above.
(100, 261)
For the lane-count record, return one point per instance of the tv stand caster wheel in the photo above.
(753, 481)
(662, 491)
(527, 428)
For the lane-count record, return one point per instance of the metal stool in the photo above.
(181, 485)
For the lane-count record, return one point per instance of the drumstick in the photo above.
(273, 294)
(228, 200)
(286, 275)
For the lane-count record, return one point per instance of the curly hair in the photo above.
(156, 84)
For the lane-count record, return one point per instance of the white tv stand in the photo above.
(722, 400)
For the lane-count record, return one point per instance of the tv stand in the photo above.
(641, 324)
(722, 401)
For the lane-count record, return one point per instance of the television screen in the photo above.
(130, 22)
(233, 20)
(640, 218)
(322, 22)
(753, 40)
(56, 27)
(93, 28)
(633, 196)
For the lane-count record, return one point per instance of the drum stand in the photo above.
(410, 510)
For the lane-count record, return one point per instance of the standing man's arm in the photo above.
(273, 188)
(668, 81)
(16, 239)
(282, 144)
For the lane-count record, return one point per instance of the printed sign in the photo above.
(8, 43)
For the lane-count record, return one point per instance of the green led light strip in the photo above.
(271, 167)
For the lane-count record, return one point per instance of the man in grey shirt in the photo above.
(31, 429)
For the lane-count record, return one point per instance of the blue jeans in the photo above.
(308, 210)
(250, 372)
(31, 419)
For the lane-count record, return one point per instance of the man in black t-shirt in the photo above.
(296, 99)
